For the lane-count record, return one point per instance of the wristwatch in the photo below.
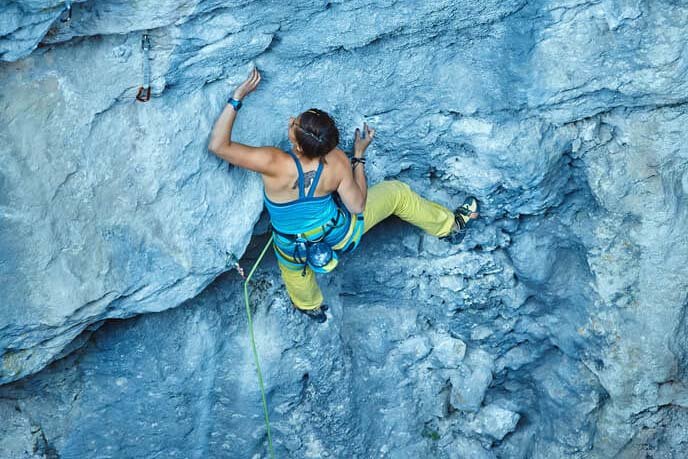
(234, 103)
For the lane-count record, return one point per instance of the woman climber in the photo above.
(318, 198)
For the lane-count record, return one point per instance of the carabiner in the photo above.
(143, 94)
(68, 16)
(145, 42)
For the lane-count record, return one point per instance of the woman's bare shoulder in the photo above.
(340, 164)
(280, 156)
(338, 156)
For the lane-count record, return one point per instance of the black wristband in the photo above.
(356, 160)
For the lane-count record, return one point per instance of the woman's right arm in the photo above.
(259, 159)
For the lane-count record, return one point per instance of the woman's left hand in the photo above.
(247, 86)
(362, 140)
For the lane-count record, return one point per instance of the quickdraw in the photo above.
(240, 270)
(66, 15)
(145, 91)
(232, 260)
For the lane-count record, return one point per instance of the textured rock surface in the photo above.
(109, 208)
(557, 329)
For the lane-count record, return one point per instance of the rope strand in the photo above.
(253, 345)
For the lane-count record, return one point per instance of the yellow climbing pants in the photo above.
(384, 199)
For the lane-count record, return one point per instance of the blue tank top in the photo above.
(305, 213)
(321, 216)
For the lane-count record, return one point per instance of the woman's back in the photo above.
(283, 188)
(300, 199)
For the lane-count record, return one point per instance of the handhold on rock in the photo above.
(494, 421)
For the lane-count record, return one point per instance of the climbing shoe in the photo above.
(463, 219)
(317, 314)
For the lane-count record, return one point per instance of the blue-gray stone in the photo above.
(492, 420)
(470, 382)
(557, 329)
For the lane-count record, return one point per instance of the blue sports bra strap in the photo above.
(302, 189)
(314, 185)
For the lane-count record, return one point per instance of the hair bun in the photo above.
(316, 133)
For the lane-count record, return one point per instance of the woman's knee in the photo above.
(397, 184)
(395, 188)
(399, 192)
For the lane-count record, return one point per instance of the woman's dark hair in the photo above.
(316, 133)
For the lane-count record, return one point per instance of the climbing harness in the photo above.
(315, 253)
(300, 251)
(253, 342)
(145, 90)
(66, 15)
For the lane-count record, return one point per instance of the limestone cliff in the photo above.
(556, 329)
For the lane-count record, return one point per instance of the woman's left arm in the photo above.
(259, 159)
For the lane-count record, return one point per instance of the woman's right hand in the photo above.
(248, 86)
(361, 142)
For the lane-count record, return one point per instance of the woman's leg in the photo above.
(393, 197)
(303, 290)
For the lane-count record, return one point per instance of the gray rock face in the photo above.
(557, 329)
(470, 382)
(493, 421)
(110, 208)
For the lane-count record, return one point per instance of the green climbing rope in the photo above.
(253, 344)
